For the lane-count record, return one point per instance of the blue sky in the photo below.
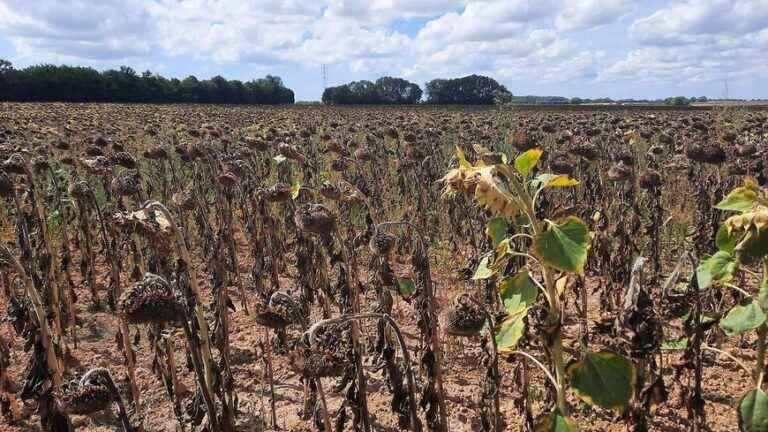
(584, 48)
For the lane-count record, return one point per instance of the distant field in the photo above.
(499, 215)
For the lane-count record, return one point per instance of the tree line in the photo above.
(385, 91)
(468, 90)
(51, 83)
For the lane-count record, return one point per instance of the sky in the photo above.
(572, 48)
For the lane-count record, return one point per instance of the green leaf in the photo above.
(555, 422)
(743, 318)
(717, 268)
(669, 345)
(604, 379)
(740, 199)
(522, 220)
(755, 247)
(509, 333)
(724, 240)
(518, 292)
(496, 229)
(483, 271)
(564, 246)
(705, 318)
(526, 161)
(405, 286)
(549, 180)
(762, 295)
(753, 411)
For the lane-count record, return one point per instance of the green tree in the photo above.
(47, 82)
(468, 90)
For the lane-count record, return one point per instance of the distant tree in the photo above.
(502, 97)
(677, 101)
(78, 84)
(6, 78)
(386, 90)
(5, 66)
(365, 92)
(398, 91)
(468, 90)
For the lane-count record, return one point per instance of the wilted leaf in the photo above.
(492, 192)
(481, 149)
(510, 331)
(555, 422)
(564, 246)
(526, 161)
(753, 411)
(740, 199)
(743, 318)
(463, 163)
(604, 379)
(483, 271)
(518, 292)
(496, 229)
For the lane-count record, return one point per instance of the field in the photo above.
(182, 267)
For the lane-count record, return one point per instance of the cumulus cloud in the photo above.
(79, 29)
(385, 11)
(697, 41)
(545, 40)
(334, 39)
(231, 30)
(695, 21)
(586, 14)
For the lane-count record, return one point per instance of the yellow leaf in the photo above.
(563, 180)
(481, 150)
(463, 163)
(295, 189)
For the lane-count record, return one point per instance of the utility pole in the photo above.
(324, 75)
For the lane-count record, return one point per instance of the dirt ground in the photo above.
(723, 384)
(723, 380)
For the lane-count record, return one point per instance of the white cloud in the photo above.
(79, 29)
(542, 40)
(585, 14)
(334, 39)
(231, 30)
(695, 21)
(385, 11)
(697, 41)
(506, 39)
